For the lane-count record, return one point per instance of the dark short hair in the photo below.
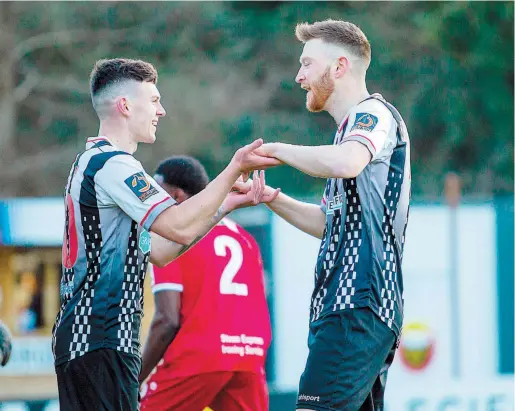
(337, 32)
(106, 72)
(184, 172)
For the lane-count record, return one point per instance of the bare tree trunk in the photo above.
(8, 109)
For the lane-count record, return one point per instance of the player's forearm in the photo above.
(329, 161)
(306, 217)
(220, 214)
(317, 161)
(165, 251)
(185, 222)
(161, 335)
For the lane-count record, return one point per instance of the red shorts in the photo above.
(220, 391)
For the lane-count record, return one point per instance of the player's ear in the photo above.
(341, 66)
(178, 194)
(181, 195)
(123, 106)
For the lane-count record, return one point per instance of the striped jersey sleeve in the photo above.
(371, 124)
(123, 182)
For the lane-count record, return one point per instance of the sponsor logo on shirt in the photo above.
(140, 186)
(304, 397)
(335, 204)
(242, 345)
(364, 122)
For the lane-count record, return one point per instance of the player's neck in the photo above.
(119, 135)
(344, 98)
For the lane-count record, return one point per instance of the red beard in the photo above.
(320, 91)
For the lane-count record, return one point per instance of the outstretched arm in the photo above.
(185, 222)
(306, 217)
(163, 250)
(338, 161)
(368, 136)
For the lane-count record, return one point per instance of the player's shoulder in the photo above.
(366, 115)
(116, 163)
(121, 158)
(373, 105)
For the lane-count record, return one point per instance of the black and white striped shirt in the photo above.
(359, 262)
(110, 204)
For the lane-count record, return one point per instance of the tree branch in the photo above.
(50, 108)
(68, 84)
(60, 38)
(39, 161)
(21, 92)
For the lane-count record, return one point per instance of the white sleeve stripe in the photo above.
(152, 208)
(167, 286)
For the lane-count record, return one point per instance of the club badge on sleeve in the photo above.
(140, 186)
(145, 242)
(364, 122)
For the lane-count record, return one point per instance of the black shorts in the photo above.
(349, 355)
(99, 380)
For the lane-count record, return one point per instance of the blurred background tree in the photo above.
(227, 76)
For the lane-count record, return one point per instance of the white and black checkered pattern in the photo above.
(329, 249)
(130, 293)
(316, 302)
(351, 243)
(144, 266)
(321, 277)
(389, 272)
(353, 269)
(404, 232)
(81, 328)
(101, 191)
(65, 297)
(402, 250)
(317, 299)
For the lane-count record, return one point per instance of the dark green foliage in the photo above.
(227, 76)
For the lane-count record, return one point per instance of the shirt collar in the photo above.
(95, 140)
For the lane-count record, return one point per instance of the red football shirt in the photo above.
(225, 323)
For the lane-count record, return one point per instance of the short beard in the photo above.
(320, 90)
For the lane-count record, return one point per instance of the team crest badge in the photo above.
(140, 186)
(364, 122)
(144, 242)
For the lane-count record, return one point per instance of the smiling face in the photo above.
(334, 62)
(315, 75)
(144, 110)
